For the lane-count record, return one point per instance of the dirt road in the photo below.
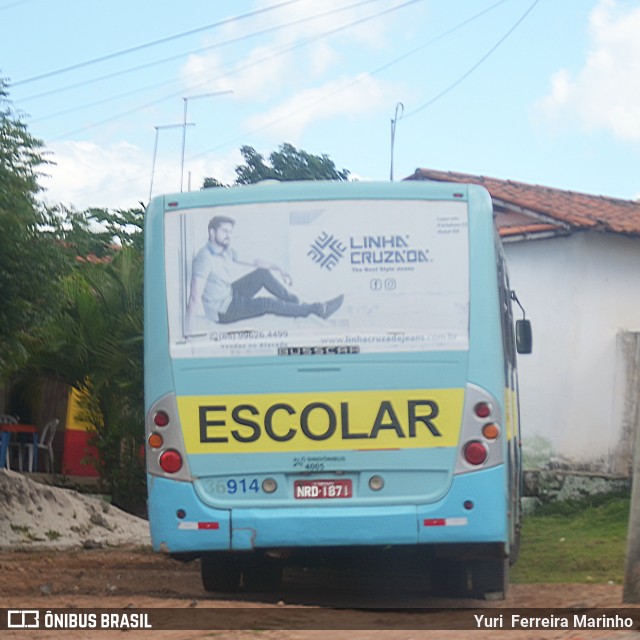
(137, 578)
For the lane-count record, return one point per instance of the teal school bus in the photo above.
(332, 366)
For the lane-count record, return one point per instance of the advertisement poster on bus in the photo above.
(316, 278)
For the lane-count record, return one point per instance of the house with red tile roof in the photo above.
(574, 261)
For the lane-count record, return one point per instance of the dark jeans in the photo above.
(245, 305)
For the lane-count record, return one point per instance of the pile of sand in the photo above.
(34, 515)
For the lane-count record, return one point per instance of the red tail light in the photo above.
(482, 410)
(161, 419)
(475, 452)
(171, 461)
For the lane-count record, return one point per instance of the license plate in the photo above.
(322, 489)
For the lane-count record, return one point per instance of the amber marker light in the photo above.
(491, 431)
(155, 441)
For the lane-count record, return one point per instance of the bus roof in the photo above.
(273, 191)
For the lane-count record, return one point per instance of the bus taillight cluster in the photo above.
(476, 451)
(170, 460)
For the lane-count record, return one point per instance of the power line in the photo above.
(361, 77)
(349, 85)
(139, 47)
(475, 66)
(378, 70)
(217, 45)
(14, 4)
(238, 69)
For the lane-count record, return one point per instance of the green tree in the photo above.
(95, 345)
(285, 164)
(96, 232)
(30, 260)
(71, 286)
(211, 183)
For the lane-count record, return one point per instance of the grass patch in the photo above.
(26, 532)
(20, 528)
(575, 541)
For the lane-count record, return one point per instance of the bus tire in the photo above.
(220, 572)
(262, 573)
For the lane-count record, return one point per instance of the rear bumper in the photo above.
(448, 520)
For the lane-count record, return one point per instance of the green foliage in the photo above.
(95, 232)
(575, 541)
(94, 342)
(95, 345)
(122, 226)
(71, 309)
(286, 164)
(211, 183)
(28, 254)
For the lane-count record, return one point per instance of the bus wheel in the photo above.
(220, 572)
(262, 573)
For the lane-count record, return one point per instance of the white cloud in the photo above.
(219, 167)
(86, 174)
(260, 74)
(295, 56)
(335, 15)
(344, 97)
(119, 175)
(605, 93)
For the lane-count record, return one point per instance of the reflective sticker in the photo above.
(194, 526)
(445, 522)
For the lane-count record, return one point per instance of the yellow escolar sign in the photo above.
(321, 421)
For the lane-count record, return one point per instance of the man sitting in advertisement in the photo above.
(226, 301)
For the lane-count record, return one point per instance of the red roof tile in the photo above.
(540, 207)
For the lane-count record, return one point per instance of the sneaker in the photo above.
(330, 307)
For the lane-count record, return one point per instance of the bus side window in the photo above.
(508, 338)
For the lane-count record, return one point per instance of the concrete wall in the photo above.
(581, 293)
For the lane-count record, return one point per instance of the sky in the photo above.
(540, 91)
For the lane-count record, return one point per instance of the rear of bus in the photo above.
(382, 423)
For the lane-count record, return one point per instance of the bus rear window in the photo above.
(316, 278)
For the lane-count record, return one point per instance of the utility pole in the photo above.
(184, 125)
(394, 122)
(629, 344)
(155, 148)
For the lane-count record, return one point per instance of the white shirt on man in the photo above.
(214, 264)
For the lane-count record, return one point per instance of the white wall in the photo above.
(579, 292)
